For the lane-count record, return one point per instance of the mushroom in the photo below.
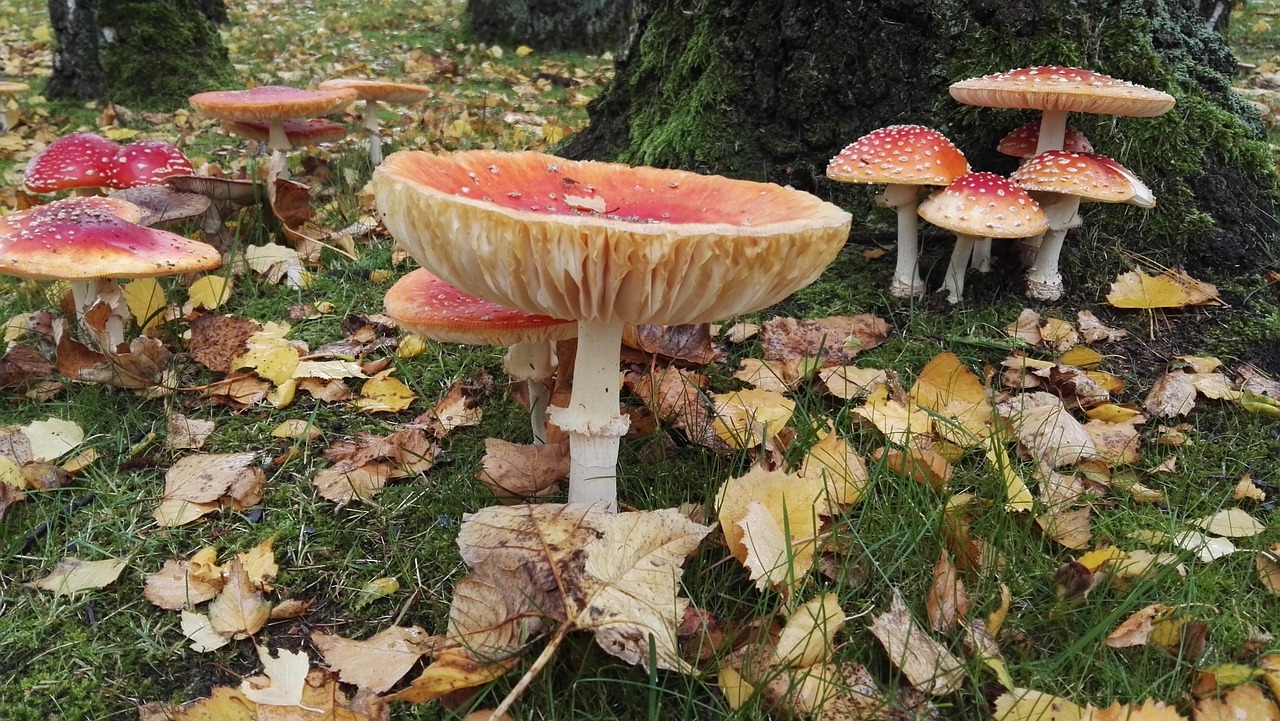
(146, 162)
(92, 241)
(373, 92)
(80, 162)
(422, 303)
(1058, 90)
(604, 244)
(272, 104)
(975, 206)
(8, 105)
(1066, 179)
(297, 132)
(904, 157)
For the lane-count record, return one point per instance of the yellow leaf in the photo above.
(384, 394)
(1170, 289)
(146, 301)
(209, 292)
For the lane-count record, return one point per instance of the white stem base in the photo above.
(953, 284)
(592, 420)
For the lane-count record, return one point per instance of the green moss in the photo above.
(163, 52)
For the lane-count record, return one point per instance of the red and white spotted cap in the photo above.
(1021, 143)
(422, 303)
(1054, 87)
(1087, 175)
(78, 160)
(899, 155)
(985, 205)
(147, 162)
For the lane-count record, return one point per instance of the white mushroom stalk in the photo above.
(604, 244)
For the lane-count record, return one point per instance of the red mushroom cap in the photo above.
(1021, 143)
(78, 160)
(422, 303)
(147, 162)
(91, 237)
(985, 205)
(299, 132)
(899, 155)
(1053, 87)
(1089, 176)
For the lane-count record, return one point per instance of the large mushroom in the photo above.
(80, 162)
(1066, 179)
(905, 158)
(1057, 91)
(422, 303)
(373, 93)
(92, 241)
(604, 244)
(976, 206)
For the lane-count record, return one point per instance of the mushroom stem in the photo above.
(1053, 130)
(592, 420)
(981, 258)
(954, 282)
(906, 274)
(1043, 280)
(371, 126)
(534, 363)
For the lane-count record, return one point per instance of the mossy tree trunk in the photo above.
(771, 91)
(591, 25)
(147, 54)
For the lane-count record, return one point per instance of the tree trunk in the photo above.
(76, 71)
(590, 25)
(771, 91)
(146, 54)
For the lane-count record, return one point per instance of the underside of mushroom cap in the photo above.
(604, 241)
(94, 237)
(422, 303)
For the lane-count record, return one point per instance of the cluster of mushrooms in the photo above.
(1038, 202)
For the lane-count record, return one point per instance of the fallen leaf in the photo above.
(72, 575)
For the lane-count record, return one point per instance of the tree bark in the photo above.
(77, 73)
(147, 54)
(590, 25)
(771, 91)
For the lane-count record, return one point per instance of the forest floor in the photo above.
(1096, 585)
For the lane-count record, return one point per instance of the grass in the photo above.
(98, 655)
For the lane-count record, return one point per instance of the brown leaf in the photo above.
(514, 472)
(948, 602)
(929, 666)
(836, 340)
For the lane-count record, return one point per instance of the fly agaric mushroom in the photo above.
(92, 241)
(297, 132)
(1067, 179)
(81, 162)
(975, 206)
(905, 158)
(1058, 90)
(146, 162)
(373, 92)
(9, 104)
(604, 244)
(422, 303)
(272, 104)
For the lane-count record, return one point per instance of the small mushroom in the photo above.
(905, 158)
(373, 92)
(92, 241)
(80, 162)
(422, 303)
(1065, 179)
(976, 206)
(604, 244)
